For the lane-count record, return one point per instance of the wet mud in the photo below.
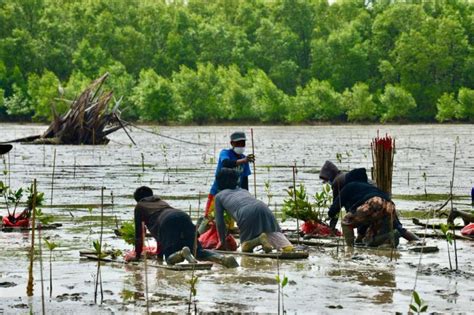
(332, 280)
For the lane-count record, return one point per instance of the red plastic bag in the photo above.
(17, 221)
(210, 239)
(315, 228)
(150, 251)
(468, 230)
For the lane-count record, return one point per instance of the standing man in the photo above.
(235, 159)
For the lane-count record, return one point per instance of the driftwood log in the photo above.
(88, 121)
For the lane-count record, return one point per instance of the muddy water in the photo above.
(330, 281)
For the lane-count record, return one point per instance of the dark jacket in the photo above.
(355, 192)
(330, 172)
(154, 212)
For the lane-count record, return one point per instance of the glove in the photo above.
(250, 158)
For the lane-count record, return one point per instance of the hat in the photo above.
(238, 136)
(4, 148)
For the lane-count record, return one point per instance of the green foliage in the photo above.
(466, 102)
(447, 107)
(419, 306)
(127, 232)
(43, 91)
(154, 96)
(397, 103)
(445, 229)
(317, 101)
(359, 103)
(303, 209)
(50, 244)
(269, 61)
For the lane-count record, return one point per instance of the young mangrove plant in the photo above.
(51, 246)
(281, 282)
(448, 235)
(297, 205)
(418, 305)
(29, 287)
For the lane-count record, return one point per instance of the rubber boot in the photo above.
(288, 249)
(186, 252)
(267, 246)
(390, 239)
(175, 258)
(409, 236)
(466, 217)
(348, 233)
(262, 239)
(226, 261)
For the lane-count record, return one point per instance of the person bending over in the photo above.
(256, 222)
(172, 229)
(366, 206)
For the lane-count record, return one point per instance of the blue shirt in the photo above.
(242, 169)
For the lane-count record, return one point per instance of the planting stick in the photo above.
(143, 162)
(74, 168)
(146, 270)
(296, 203)
(113, 213)
(451, 195)
(278, 278)
(29, 287)
(52, 178)
(41, 268)
(9, 169)
(99, 276)
(254, 167)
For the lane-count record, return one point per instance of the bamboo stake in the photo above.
(29, 287)
(452, 207)
(146, 270)
(296, 204)
(41, 269)
(254, 167)
(99, 276)
(52, 178)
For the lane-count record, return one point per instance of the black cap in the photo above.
(238, 136)
(4, 148)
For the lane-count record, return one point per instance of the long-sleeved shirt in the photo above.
(353, 195)
(228, 158)
(153, 212)
(252, 216)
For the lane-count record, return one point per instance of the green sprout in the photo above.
(419, 306)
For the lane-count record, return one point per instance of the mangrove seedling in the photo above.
(268, 192)
(445, 229)
(51, 246)
(282, 284)
(192, 293)
(418, 306)
(305, 210)
(127, 232)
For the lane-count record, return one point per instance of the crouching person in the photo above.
(256, 222)
(367, 207)
(172, 229)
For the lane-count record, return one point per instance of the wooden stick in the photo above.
(146, 270)
(296, 203)
(41, 270)
(29, 287)
(254, 167)
(452, 208)
(52, 178)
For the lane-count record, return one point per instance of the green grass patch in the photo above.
(428, 197)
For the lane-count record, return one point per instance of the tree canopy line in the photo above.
(282, 61)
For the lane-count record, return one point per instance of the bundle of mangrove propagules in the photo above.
(88, 121)
(383, 150)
